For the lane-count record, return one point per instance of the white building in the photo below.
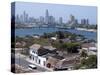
(36, 56)
(39, 54)
(36, 36)
(53, 38)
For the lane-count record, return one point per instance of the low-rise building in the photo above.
(48, 56)
(53, 38)
(50, 49)
(52, 59)
(35, 54)
(65, 40)
(90, 48)
(36, 36)
(68, 63)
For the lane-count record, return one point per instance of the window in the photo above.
(33, 57)
(48, 65)
(44, 63)
(36, 59)
(30, 56)
(39, 61)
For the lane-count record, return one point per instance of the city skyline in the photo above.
(49, 19)
(58, 10)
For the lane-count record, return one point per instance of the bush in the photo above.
(90, 62)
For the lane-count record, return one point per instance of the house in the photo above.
(17, 43)
(20, 44)
(53, 38)
(57, 62)
(90, 48)
(51, 49)
(67, 63)
(44, 55)
(65, 40)
(35, 54)
(52, 59)
(78, 38)
(18, 50)
(47, 56)
(36, 36)
(92, 51)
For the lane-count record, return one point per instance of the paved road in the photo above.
(22, 62)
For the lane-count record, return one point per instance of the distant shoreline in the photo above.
(84, 29)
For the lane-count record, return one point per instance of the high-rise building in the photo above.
(60, 20)
(21, 18)
(81, 21)
(76, 21)
(84, 21)
(72, 18)
(41, 19)
(24, 16)
(51, 20)
(71, 21)
(17, 19)
(87, 21)
(46, 16)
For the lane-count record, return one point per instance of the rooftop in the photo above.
(49, 48)
(35, 46)
(52, 55)
(66, 40)
(65, 63)
(87, 45)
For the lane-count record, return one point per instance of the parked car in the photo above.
(31, 66)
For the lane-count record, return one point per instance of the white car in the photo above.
(31, 66)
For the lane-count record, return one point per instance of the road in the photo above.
(22, 62)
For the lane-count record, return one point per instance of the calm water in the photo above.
(40, 31)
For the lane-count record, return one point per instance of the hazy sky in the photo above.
(58, 10)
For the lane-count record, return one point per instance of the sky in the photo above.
(57, 10)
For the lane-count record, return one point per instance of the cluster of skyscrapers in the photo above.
(85, 21)
(47, 20)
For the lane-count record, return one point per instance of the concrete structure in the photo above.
(36, 56)
(37, 53)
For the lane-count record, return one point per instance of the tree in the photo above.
(90, 62)
(73, 37)
(45, 35)
(84, 54)
(70, 47)
(60, 35)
